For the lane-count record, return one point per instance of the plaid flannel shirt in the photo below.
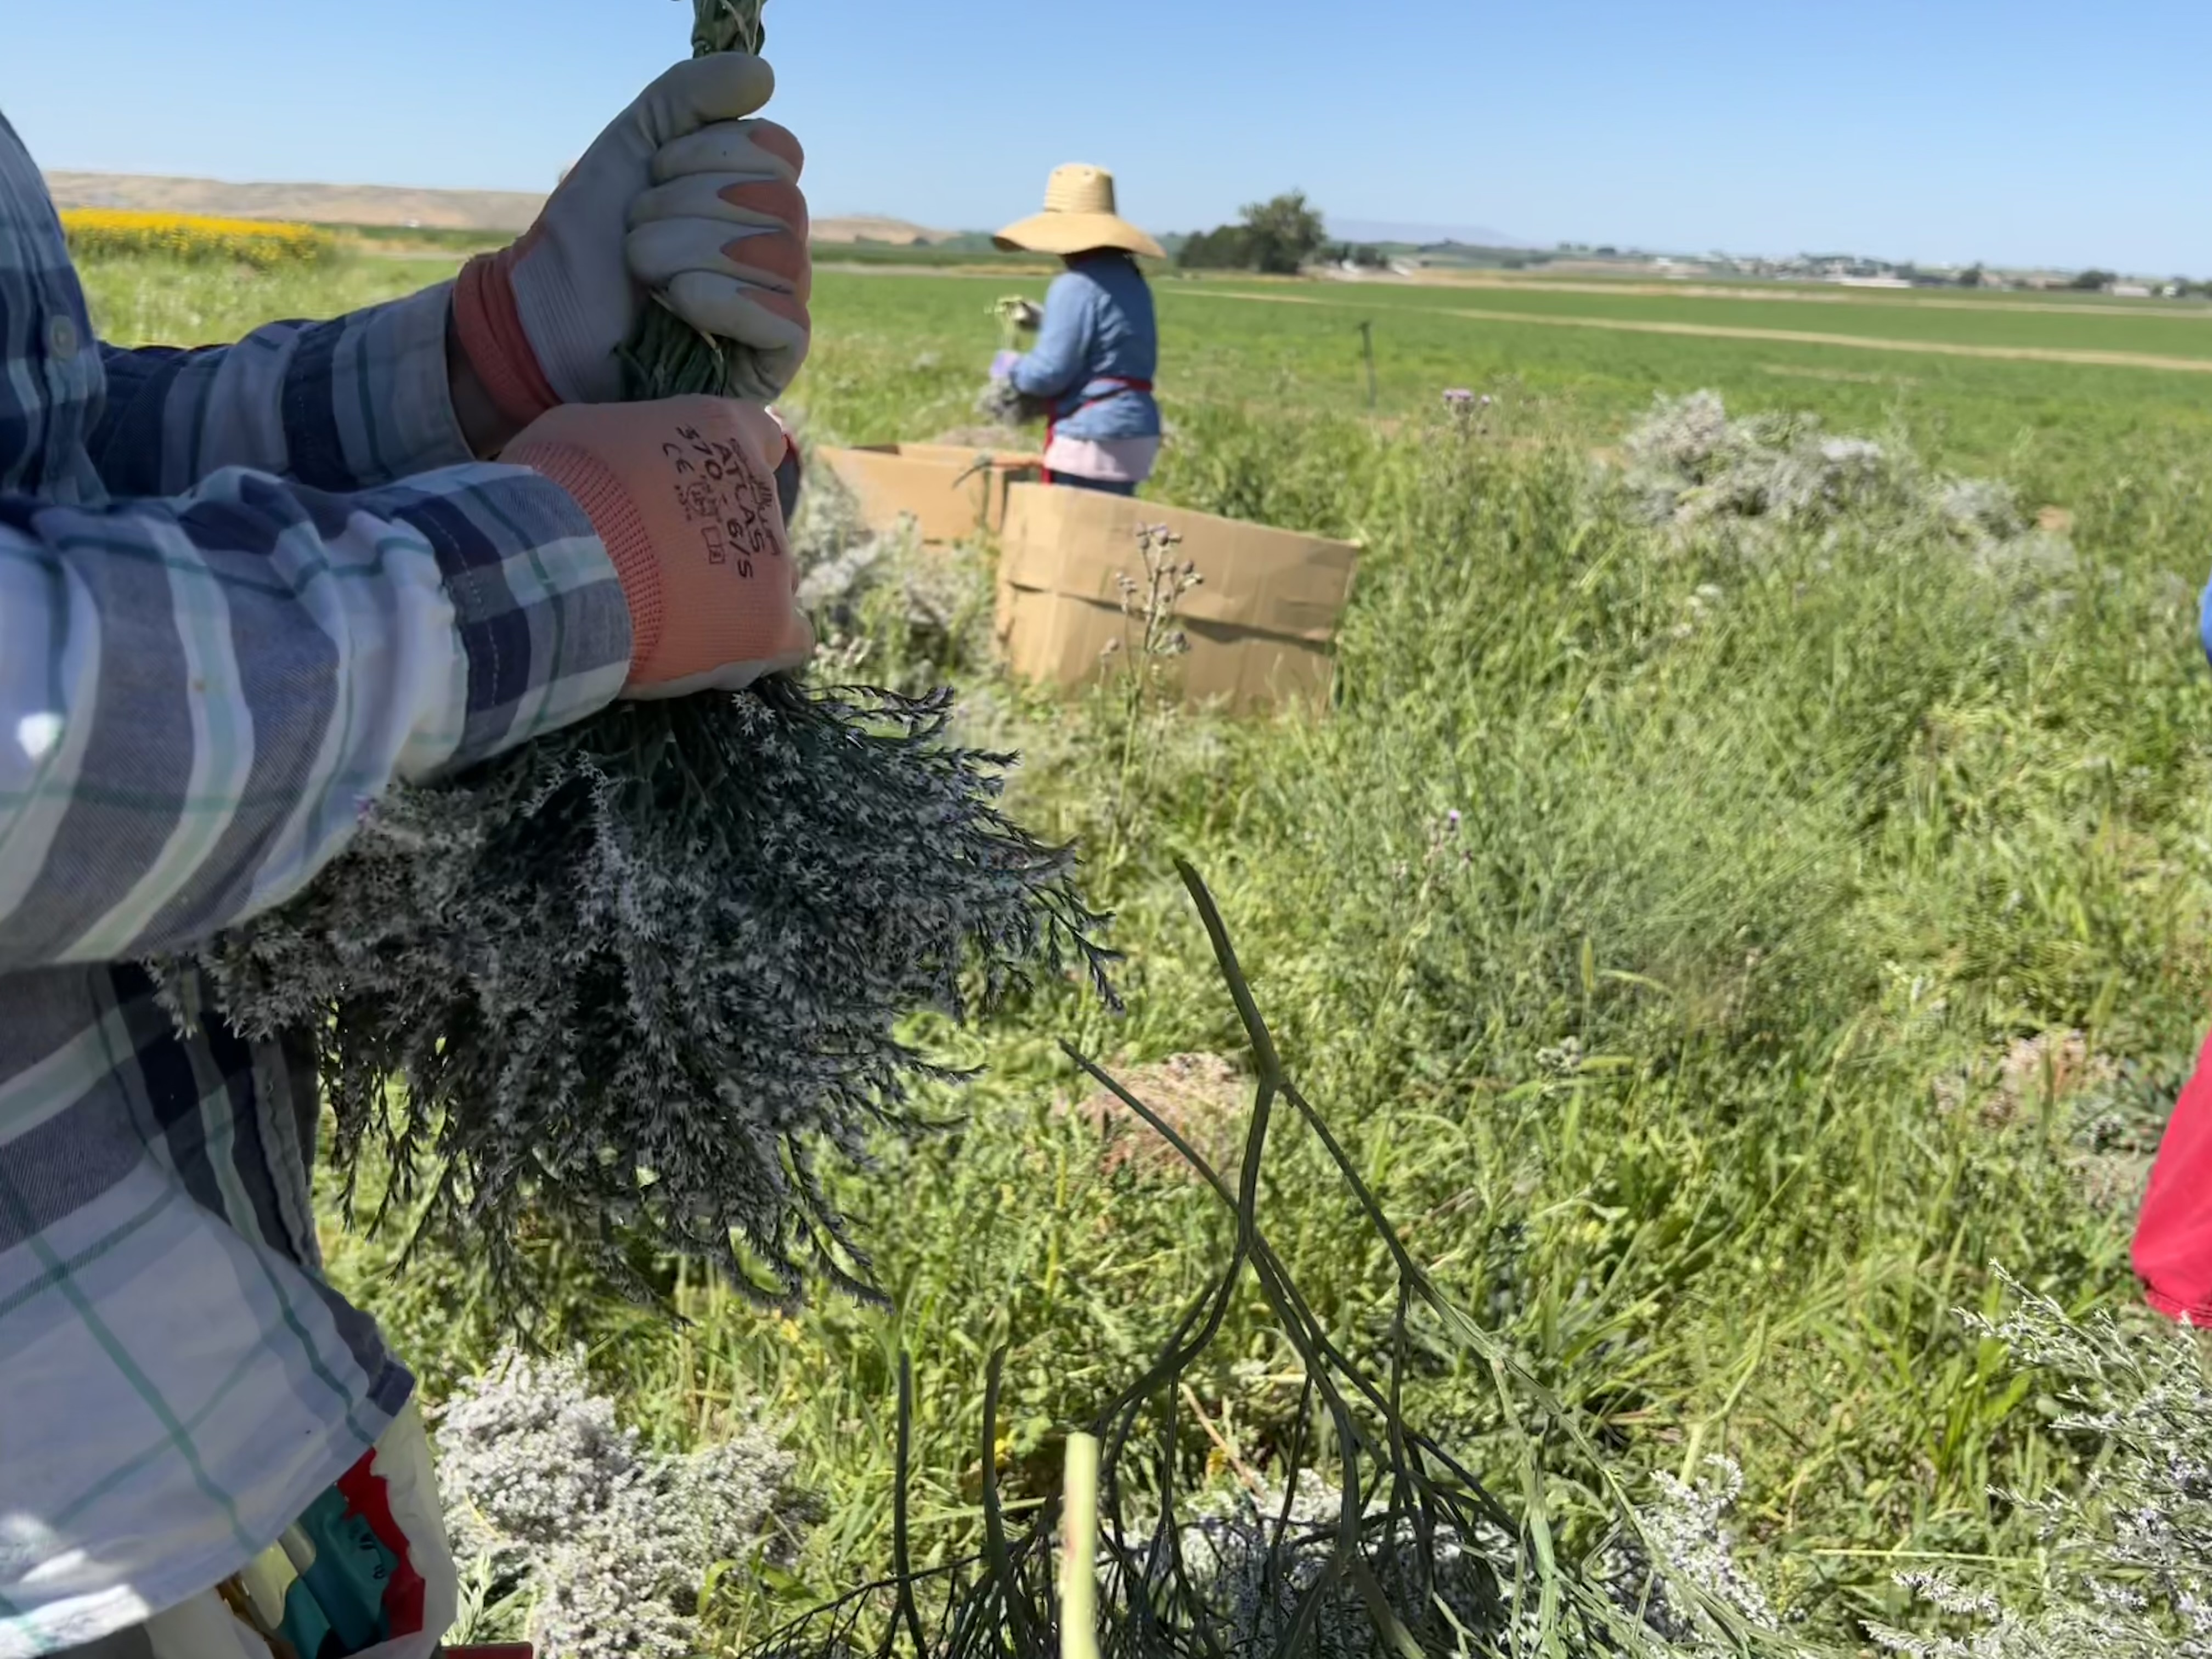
(241, 590)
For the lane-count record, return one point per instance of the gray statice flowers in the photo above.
(550, 1502)
(899, 611)
(1683, 1559)
(1691, 466)
(1002, 402)
(884, 605)
(2128, 1557)
(637, 978)
(1253, 1556)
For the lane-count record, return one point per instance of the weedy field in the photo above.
(1750, 881)
(904, 353)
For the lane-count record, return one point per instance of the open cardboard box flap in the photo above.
(951, 491)
(1077, 543)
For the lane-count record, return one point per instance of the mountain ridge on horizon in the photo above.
(1419, 235)
(401, 205)
(382, 205)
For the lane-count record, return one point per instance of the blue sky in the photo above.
(1938, 130)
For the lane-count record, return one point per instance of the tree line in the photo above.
(1284, 234)
(1279, 236)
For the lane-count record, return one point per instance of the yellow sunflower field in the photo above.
(263, 244)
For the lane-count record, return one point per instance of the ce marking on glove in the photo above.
(718, 551)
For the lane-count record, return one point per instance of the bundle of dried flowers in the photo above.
(631, 979)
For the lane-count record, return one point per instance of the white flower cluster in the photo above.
(1690, 461)
(1252, 1559)
(1690, 465)
(901, 613)
(2127, 1570)
(827, 523)
(1253, 1556)
(609, 1542)
(1686, 1547)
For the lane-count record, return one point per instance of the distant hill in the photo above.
(1385, 230)
(325, 204)
(510, 211)
(399, 206)
(877, 227)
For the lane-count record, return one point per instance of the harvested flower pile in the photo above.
(633, 978)
(1692, 466)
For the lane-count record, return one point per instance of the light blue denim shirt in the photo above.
(1097, 323)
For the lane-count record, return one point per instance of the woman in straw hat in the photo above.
(1097, 346)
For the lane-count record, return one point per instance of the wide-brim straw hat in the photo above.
(1078, 215)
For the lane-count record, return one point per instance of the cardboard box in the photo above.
(942, 487)
(1262, 624)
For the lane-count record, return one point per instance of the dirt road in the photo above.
(1779, 295)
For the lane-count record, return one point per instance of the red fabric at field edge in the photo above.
(2174, 1235)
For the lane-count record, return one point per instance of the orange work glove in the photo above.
(683, 493)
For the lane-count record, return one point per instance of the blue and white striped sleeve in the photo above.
(359, 401)
(200, 693)
(1053, 367)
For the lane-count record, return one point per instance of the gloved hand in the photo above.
(683, 494)
(680, 195)
(1002, 366)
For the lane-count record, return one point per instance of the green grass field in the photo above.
(1795, 849)
(902, 354)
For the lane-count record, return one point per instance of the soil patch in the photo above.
(1203, 1098)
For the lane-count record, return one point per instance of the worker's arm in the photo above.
(200, 694)
(376, 395)
(1055, 366)
(352, 403)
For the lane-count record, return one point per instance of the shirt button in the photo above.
(61, 337)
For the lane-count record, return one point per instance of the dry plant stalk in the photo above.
(1078, 1555)
(1371, 1537)
(669, 358)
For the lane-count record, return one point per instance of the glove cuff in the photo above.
(489, 325)
(607, 503)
